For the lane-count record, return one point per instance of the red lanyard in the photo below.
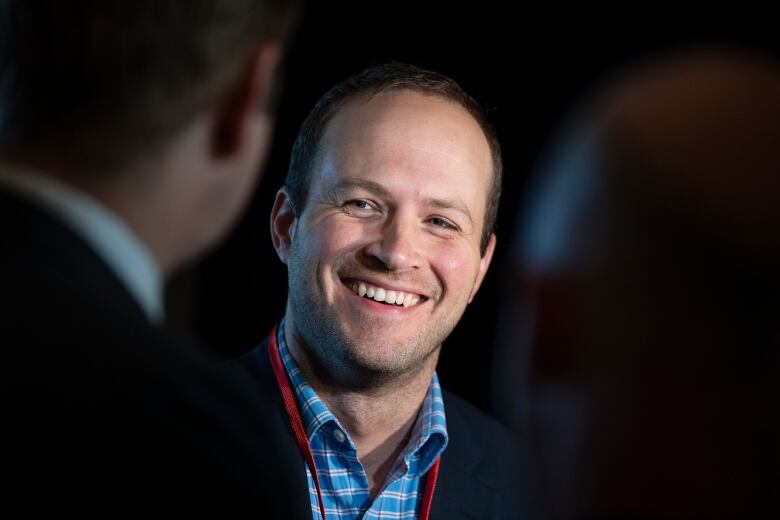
(303, 442)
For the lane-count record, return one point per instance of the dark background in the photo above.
(527, 66)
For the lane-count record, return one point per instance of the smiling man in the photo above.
(385, 224)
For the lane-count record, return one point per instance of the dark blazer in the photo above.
(103, 412)
(479, 473)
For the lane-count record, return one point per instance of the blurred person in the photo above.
(385, 224)
(131, 135)
(644, 311)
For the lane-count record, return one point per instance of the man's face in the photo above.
(395, 212)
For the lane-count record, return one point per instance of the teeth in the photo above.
(388, 296)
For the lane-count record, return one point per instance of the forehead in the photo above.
(409, 141)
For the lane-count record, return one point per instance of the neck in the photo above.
(141, 192)
(129, 193)
(379, 419)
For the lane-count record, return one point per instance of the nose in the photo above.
(397, 246)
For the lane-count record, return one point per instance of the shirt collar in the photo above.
(111, 239)
(427, 440)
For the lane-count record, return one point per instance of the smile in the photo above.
(383, 294)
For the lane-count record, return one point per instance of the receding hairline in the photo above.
(364, 97)
(361, 99)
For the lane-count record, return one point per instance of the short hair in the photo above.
(111, 79)
(373, 80)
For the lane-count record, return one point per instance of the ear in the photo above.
(247, 98)
(484, 263)
(283, 224)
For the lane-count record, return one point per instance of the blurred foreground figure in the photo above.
(131, 134)
(650, 270)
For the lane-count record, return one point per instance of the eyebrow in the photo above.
(377, 188)
(450, 204)
(367, 185)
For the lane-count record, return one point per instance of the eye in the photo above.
(443, 223)
(359, 207)
(358, 204)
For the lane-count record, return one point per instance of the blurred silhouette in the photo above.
(645, 300)
(131, 135)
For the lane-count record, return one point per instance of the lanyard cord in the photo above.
(303, 442)
(430, 485)
(292, 412)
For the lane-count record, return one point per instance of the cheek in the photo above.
(336, 237)
(455, 265)
(324, 245)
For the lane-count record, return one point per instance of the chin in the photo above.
(393, 357)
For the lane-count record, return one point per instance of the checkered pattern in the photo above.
(343, 481)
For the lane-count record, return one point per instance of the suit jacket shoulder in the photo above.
(253, 371)
(104, 411)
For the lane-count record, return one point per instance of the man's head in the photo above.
(160, 109)
(390, 192)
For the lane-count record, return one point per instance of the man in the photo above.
(132, 134)
(385, 225)
(649, 323)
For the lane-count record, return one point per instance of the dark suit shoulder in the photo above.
(491, 445)
(253, 371)
(482, 423)
(250, 360)
(481, 467)
(253, 368)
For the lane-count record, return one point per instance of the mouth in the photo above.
(386, 295)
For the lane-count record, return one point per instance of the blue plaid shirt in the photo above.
(343, 480)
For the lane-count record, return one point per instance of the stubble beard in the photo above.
(342, 360)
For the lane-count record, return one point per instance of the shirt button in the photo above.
(339, 435)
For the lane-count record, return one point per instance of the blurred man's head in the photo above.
(653, 262)
(114, 80)
(161, 109)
